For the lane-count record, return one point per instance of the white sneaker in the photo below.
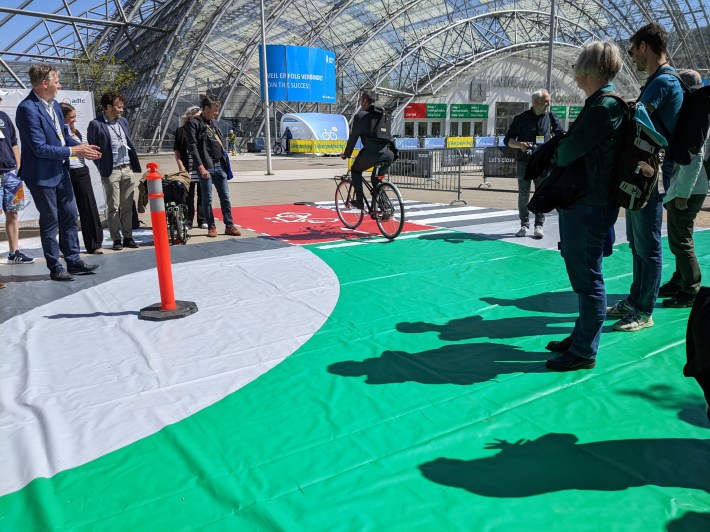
(634, 321)
(523, 231)
(204, 226)
(538, 232)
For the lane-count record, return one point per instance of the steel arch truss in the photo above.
(405, 48)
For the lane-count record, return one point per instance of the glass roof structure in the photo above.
(405, 49)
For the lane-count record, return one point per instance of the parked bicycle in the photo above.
(277, 148)
(387, 208)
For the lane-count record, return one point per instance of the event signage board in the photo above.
(574, 111)
(434, 143)
(468, 110)
(299, 73)
(459, 142)
(403, 143)
(436, 110)
(560, 111)
(415, 110)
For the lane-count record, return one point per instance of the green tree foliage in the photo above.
(102, 73)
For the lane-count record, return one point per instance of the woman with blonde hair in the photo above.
(592, 145)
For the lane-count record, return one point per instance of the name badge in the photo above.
(540, 139)
(2, 135)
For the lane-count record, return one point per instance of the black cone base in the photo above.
(155, 313)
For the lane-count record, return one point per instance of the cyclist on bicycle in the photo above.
(371, 125)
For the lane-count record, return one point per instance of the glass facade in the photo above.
(405, 49)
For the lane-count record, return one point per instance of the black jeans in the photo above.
(364, 160)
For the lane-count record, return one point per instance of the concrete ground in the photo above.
(301, 178)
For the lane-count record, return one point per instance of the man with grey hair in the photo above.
(529, 129)
(683, 200)
(46, 148)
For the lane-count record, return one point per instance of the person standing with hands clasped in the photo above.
(46, 148)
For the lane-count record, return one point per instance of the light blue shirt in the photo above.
(119, 143)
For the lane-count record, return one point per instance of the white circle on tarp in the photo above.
(82, 376)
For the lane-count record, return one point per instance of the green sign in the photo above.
(560, 111)
(436, 110)
(468, 110)
(574, 111)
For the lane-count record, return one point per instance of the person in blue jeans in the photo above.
(208, 159)
(662, 96)
(589, 149)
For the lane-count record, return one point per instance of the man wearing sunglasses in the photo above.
(662, 95)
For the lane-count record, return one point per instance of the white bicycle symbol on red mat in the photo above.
(300, 217)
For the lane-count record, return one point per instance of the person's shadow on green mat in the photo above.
(476, 327)
(690, 521)
(552, 302)
(556, 462)
(462, 364)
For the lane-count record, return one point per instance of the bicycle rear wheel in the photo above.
(344, 196)
(389, 210)
(278, 149)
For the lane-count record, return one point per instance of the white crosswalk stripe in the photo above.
(447, 216)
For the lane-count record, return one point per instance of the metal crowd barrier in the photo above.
(440, 170)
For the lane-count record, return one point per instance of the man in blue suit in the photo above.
(46, 149)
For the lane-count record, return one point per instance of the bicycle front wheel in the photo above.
(389, 210)
(278, 149)
(344, 195)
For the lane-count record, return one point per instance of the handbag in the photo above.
(560, 189)
(227, 165)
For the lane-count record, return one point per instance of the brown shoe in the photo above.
(232, 231)
(212, 232)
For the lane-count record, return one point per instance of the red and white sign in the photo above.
(415, 110)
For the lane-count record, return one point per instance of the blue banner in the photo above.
(435, 143)
(299, 73)
(406, 143)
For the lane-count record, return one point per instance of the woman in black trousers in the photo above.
(91, 230)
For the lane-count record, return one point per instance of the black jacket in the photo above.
(199, 144)
(98, 134)
(364, 123)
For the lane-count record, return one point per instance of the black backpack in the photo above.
(381, 123)
(638, 164)
(693, 124)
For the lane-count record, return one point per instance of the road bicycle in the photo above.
(387, 207)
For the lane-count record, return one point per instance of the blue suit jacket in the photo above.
(44, 159)
(99, 135)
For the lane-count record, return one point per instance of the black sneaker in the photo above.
(81, 268)
(117, 246)
(61, 275)
(681, 300)
(668, 290)
(19, 258)
(130, 243)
